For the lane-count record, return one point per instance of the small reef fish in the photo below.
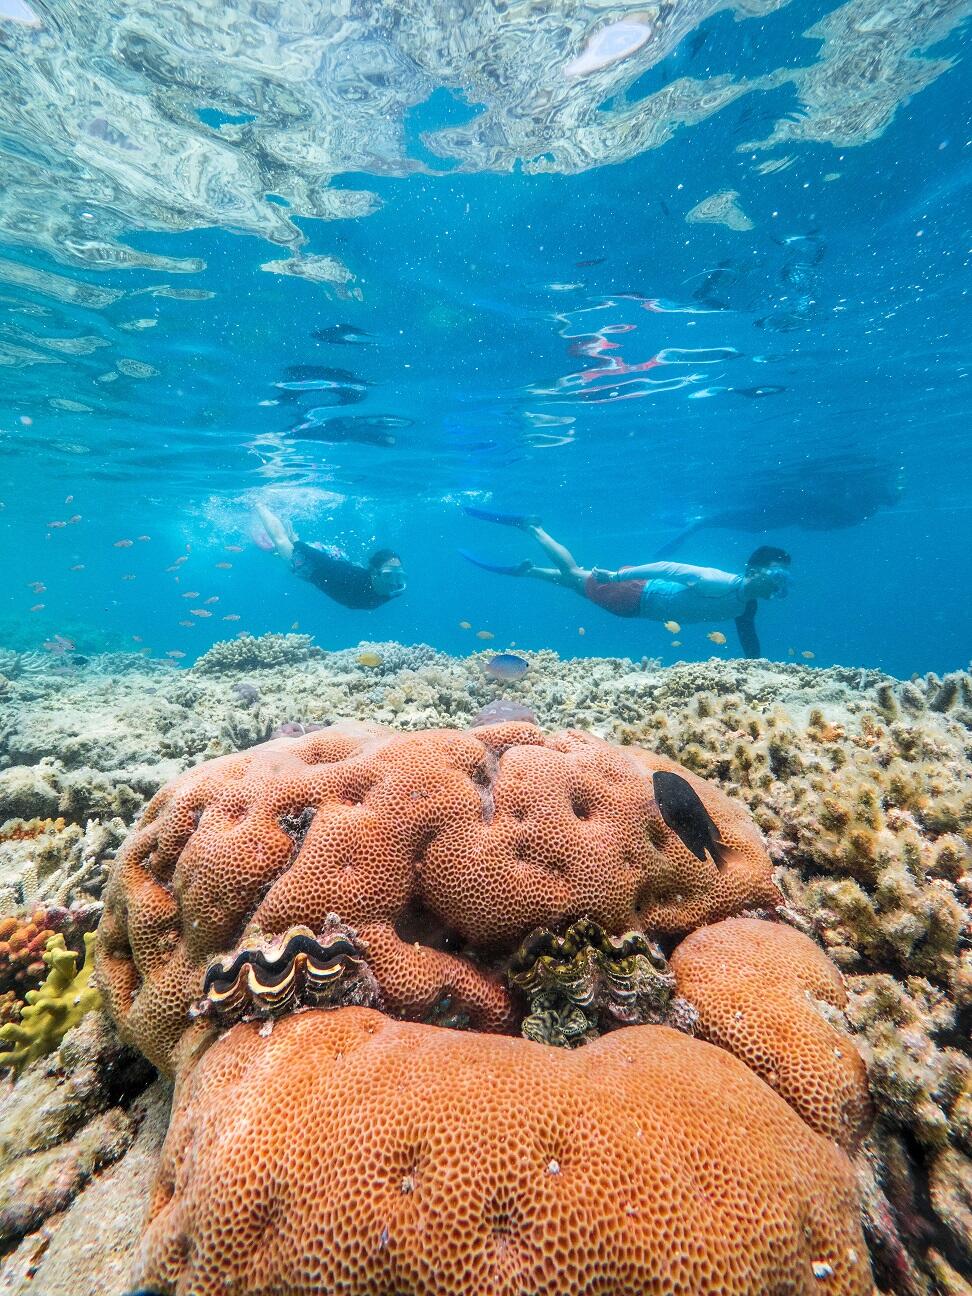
(716, 636)
(38, 607)
(143, 539)
(213, 598)
(75, 517)
(173, 568)
(57, 525)
(233, 548)
(465, 625)
(38, 587)
(295, 625)
(672, 627)
(340, 335)
(223, 566)
(506, 667)
(808, 655)
(128, 576)
(370, 659)
(485, 634)
(187, 624)
(174, 652)
(136, 638)
(581, 630)
(59, 645)
(676, 643)
(200, 612)
(77, 567)
(180, 560)
(69, 499)
(122, 544)
(231, 616)
(190, 594)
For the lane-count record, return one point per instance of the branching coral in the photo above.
(50, 1012)
(252, 653)
(646, 1161)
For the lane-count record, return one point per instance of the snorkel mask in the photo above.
(779, 579)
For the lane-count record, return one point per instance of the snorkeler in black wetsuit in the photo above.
(349, 583)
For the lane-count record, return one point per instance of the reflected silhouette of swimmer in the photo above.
(353, 585)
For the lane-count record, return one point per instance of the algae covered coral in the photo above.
(860, 784)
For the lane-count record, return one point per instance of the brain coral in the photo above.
(439, 849)
(456, 1162)
(771, 996)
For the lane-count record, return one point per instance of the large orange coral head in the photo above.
(348, 1152)
(434, 853)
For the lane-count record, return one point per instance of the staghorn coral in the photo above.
(250, 653)
(771, 996)
(494, 1164)
(59, 1003)
(426, 844)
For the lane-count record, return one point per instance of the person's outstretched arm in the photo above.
(746, 629)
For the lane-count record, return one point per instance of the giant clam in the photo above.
(268, 977)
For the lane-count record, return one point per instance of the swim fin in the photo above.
(514, 569)
(521, 520)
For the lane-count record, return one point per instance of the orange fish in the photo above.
(123, 544)
(200, 612)
(223, 566)
(231, 616)
(484, 634)
(716, 636)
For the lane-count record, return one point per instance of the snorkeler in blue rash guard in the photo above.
(332, 572)
(658, 591)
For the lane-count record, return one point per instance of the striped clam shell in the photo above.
(274, 976)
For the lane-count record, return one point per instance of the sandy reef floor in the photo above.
(862, 785)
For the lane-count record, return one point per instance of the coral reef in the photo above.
(425, 844)
(861, 784)
(66, 994)
(493, 1164)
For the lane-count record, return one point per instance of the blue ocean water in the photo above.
(624, 313)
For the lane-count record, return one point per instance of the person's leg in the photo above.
(275, 529)
(567, 571)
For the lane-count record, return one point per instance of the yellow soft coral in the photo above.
(50, 1012)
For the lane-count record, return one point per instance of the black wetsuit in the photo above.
(344, 581)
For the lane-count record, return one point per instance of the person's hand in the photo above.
(601, 575)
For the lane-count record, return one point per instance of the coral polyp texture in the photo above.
(468, 1163)
(771, 996)
(439, 850)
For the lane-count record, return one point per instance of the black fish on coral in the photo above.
(682, 809)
